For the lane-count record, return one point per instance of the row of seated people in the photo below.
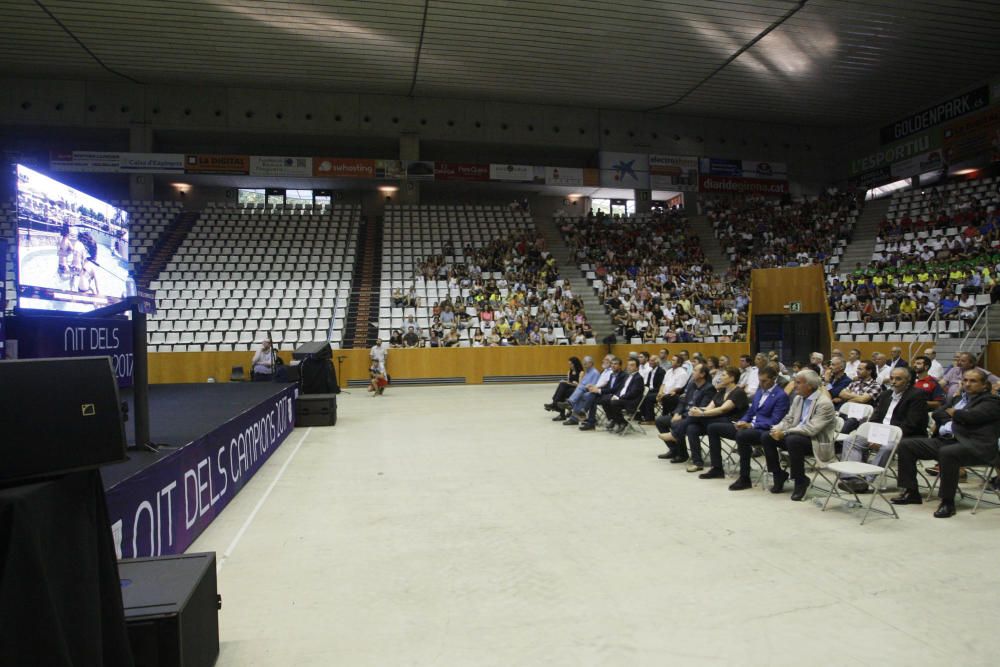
(760, 233)
(803, 422)
(653, 279)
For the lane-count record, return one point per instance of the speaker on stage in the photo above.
(316, 369)
(60, 415)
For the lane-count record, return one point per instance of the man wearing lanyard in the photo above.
(968, 429)
(807, 429)
(904, 406)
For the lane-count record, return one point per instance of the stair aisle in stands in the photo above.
(166, 247)
(364, 307)
(863, 239)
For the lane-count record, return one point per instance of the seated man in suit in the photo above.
(673, 427)
(654, 379)
(588, 377)
(968, 427)
(598, 392)
(809, 428)
(904, 406)
(624, 398)
(582, 398)
(768, 406)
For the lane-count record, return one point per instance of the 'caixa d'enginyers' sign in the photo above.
(45, 337)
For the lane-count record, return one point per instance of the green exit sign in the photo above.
(795, 307)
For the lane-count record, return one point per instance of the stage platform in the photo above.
(214, 437)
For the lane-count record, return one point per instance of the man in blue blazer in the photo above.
(768, 407)
(624, 398)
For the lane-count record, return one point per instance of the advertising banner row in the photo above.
(638, 171)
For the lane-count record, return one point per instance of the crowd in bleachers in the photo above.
(651, 276)
(760, 233)
(821, 415)
(937, 258)
(506, 292)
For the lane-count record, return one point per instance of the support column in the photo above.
(643, 201)
(140, 140)
(409, 149)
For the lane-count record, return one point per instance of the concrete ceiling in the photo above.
(815, 62)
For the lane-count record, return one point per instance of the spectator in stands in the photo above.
(673, 426)
(865, 389)
(953, 378)
(926, 382)
(836, 378)
(968, 428)
(565, 389)
(807, 429)
(882, 369)
(768, 407)
(411, 338)
(263, 363)
(896, 360)
(903, 405)
(748, 374)
(624, 398)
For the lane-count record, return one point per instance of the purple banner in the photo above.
(162, 509)
(47, 336)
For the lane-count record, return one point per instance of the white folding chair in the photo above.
(892, 436)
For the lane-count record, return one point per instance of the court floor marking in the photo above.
(260, 503)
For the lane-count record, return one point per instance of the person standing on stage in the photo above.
(263, 363)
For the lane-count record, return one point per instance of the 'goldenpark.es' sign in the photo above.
(966, 103)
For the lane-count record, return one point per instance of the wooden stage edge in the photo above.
(468, 365)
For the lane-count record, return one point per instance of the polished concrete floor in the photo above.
(460, 526)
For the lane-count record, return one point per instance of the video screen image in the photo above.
(72, 248)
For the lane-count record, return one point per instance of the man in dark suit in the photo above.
(673, 427)
(904, 406)
(623, 398)
(769, 406)
(614, 382)
(896, 360)
(968, 427)
(653, 381)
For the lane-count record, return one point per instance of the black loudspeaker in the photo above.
(172, 610)
(60, 415)
(316, 410)
(313, 351)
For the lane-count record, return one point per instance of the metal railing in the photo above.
(978, 337)
(932, 330)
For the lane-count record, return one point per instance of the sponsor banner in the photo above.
(757, 169)
(85, 161)
(217, 164)
(625, 170)
(738, 185)
(916, 145)
(419, 170)
(47, 336)
(163, 508)
(388, 169)
(919, 164)
(569, 176)
(524, 173)
(975, 136)
(963, 104)
(152, 163)
(673, 172)
(278, 166)
(872, 178)
(720, 167)
(461, 171)
(338, 167)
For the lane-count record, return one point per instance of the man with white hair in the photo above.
(937, 370)
(816, 359)
(853, 361)
(807, 429)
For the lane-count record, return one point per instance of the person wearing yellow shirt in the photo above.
(957, 274)
(908, 308)
(923, 276)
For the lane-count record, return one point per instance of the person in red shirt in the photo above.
(925, 382)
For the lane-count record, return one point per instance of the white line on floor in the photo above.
(260, 503)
